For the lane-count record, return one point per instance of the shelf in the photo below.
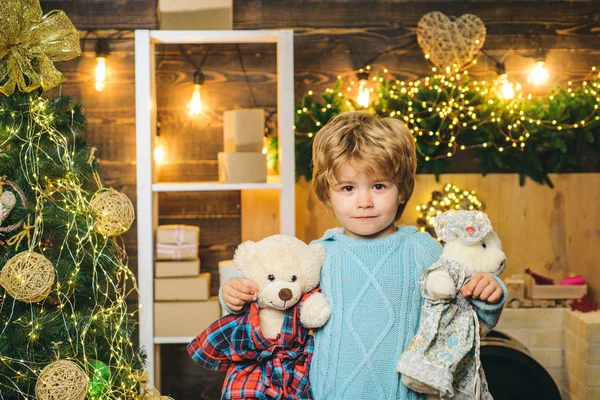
(146, 170)
(212, 186)
(173, 339)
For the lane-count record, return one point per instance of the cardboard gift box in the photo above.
(243, 130)
(186, 318)
(176, 251)
(242, 167)
(196, 288)
(177, 234)
(173, 269)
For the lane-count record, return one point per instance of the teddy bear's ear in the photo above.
(315, 257)
(318, 254)
(468, 227)
(243, 254)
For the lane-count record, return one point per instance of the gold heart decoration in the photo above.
(449, 41)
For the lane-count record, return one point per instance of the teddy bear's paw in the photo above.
(419, 386)
(440, 285)
(315, 311)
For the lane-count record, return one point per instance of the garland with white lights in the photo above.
(450, 113)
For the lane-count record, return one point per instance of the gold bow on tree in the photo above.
(30, 42)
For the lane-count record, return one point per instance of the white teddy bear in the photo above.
(443, 358)
(284, 268)
(267, 349)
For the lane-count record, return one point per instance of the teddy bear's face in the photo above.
(283, 267)
(486, 255)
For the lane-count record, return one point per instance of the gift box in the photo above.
(172, 269)
(243, 130)
(176, 251)
(185, 318)
(177, 234)
(175, 289)
(242, 167)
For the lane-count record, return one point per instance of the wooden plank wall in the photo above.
(336, 37)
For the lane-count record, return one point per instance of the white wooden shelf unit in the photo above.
(148, 188)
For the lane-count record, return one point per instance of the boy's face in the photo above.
(364, 205)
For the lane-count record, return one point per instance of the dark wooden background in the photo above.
(331, 38)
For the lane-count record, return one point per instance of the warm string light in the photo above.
(101, 74)
(460, 105)
(195, 104)
(539, 74)
(363, 90)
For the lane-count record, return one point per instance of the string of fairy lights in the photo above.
(448, 113)
(450, 198)
(117, 378)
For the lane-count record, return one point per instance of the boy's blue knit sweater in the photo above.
(372, 286)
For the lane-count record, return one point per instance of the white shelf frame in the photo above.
(148, 187)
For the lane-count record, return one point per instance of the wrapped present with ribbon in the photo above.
(178, 234)
(184, 251)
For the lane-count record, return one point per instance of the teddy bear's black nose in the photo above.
(285, 294)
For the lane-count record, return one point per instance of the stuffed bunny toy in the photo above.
(443, 358)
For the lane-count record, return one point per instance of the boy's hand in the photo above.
(483, 286)
(237, 292)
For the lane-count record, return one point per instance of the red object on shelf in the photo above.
(573, 280)
(585, 304)
(540, 279)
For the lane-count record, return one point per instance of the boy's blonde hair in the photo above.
(383, 147)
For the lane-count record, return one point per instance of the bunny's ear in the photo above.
(469, 227)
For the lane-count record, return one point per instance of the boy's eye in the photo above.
(347, 188)
(294, 278)
(379, 186)
(271, 277)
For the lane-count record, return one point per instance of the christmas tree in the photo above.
(65, 326)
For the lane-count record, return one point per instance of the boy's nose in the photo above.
(365, 201)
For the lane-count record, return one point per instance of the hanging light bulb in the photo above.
(363, 90)
(504, 87)
(195, 105)
(102, 52)
(160, 155)
(539, 74)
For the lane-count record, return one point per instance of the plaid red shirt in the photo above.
(258, 367)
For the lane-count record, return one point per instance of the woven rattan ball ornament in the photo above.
(450, 41)
(114, 212)
(28, 277)
(61, 380)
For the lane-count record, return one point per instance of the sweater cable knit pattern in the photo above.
(372, 285)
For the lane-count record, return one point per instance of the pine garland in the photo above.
(532, 137)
